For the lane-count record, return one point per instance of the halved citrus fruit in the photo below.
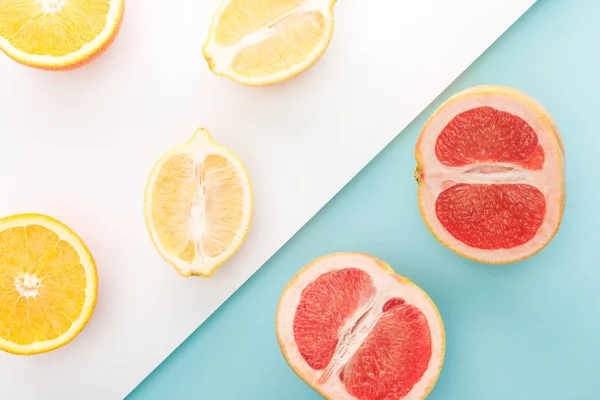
(48, 284)
(354, 329)
(58, 34)
(491, 173)
(198, 205)
(260, 42)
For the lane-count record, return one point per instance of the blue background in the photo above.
(525, 331)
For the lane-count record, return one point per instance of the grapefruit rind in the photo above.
(214, 52)
(201, 145)
(75, 60)
(440, 339)
(91, 274)
(553, 133)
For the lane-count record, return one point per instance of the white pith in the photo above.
(27, 285)
(90, 275)
(223, 56)
(436, 177)
(199, 147)
(50, 7)
(388, 285)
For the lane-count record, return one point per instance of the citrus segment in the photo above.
(492, 217)
(326, 305)
(299, 34)
(172, 195)
(353, 329)
(242, 17)
(393, 357)
(198, 205)
(225, 197)
(484, 134)
(262, 42)
(57, 34)
(48, 284)
(535, 160)
(491, 175)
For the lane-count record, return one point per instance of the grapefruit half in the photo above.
(353, 329)
(491, 174)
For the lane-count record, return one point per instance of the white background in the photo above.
(79, 146)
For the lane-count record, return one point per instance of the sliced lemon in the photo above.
(259, 42)
(58, 34)
(48, 284)
(198, 205)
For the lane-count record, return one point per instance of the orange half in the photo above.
(58, 34)
(48, 284)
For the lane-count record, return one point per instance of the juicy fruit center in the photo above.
(484, 145)
(379, 348)
(42, 285)
(285, 44)
(393, 357)
(492, 217)
(243, 17)
(487, 135)
(197, 206)
(28, 285)
(267, 38)
(327, 305)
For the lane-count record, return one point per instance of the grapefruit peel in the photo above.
(389, 287)
(549, 179)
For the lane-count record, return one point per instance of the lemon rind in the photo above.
(212, 47)
(200, 145)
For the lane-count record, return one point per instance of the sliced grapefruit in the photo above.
(355, 330)
(491, 174)
(48, 284)
(260, 42)
(58, 34)
(198, 205)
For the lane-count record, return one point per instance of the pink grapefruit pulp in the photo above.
(354, 329)
(491, 169)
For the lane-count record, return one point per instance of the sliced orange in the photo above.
(198, 205)
(259, 42)
(48, 284)
(58, 34)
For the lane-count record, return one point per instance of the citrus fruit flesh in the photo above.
(491, 175)
(198, 205)
(58, 34)
(268, 41)
(48, 284)
(353, 329)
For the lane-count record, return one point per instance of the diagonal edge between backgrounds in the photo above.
(423, 107)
